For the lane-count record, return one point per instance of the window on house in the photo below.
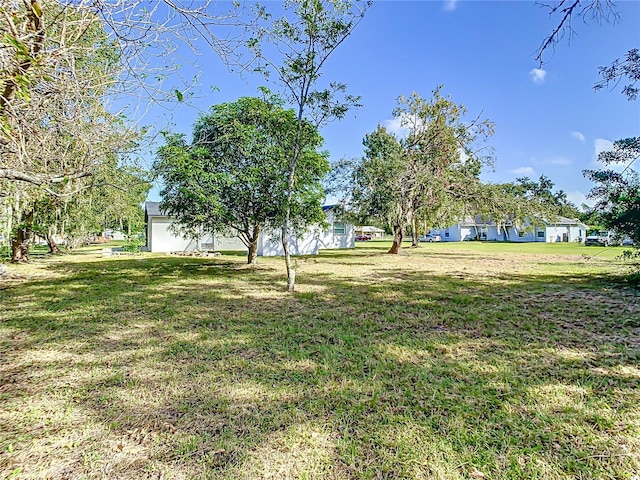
(521, 233)
(339, 229)
(541, 234)
(446, 234)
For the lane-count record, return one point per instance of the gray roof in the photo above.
(152, 209)
(566, 221)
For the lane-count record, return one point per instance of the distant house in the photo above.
(160, 237)
(114, 234)
(374, 232)
(562, 229)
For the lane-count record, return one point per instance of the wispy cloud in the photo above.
(401, 125)
(394, 126)
(528, 171)
(578, 198)
(603, 145)
(538, 75)
(578, 135)
(450, 5)
(558, 160)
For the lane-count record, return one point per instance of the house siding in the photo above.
(228, 243)
(269, 245)
(566, 230)
(161, 239)
(331, 238)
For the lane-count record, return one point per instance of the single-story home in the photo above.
(114, 234)
(161, 238)
(561, 229)
(374, 232)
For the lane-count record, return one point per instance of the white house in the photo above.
(160, 238)
(562, 229)
(374, 232)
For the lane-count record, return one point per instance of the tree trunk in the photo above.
(20, 244)
(53, 246)
(397, 239)
(291, 273)
(415, 242)
(252, 255)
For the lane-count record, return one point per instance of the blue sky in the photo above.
(548, 121)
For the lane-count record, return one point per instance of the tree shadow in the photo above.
(207, 365)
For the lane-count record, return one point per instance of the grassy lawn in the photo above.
(451, 361)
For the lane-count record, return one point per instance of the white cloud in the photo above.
(578, 135)
(604, 145)
(601, 145)
(528, 171)
(450, 5)
(578, 198)
(558, 160)
(538, 74)
(395, 126)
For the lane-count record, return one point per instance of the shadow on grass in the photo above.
(403, 375)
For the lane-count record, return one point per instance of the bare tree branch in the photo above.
(566, 11)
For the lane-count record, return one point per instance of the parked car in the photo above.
(598, 240)
(363, 238)
(430, 238)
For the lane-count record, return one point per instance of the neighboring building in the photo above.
(160, 237)
(114, 234)
(561, 230)
(373, 232)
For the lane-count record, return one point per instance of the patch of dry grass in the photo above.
(451, 361)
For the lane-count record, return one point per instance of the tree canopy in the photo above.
(233, 177)
(617, 193)
(293, 46)
(426, 176)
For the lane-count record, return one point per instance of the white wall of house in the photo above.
(450, 234)
(338, 235)
(269, 244)
(114, 234)
(548, 233)
(230, 243)
(457, 233)
(515, 234)
(565, 233)
(161, 239)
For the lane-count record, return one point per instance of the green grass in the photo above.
(451, 361)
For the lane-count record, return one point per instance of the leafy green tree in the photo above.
(380, 192)
(427, 176)
(305, 36)
(233, 177)
(110, 198)
(59, 63)
(56, 129)
(617, 194)
(548, 202)
(76, 53)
